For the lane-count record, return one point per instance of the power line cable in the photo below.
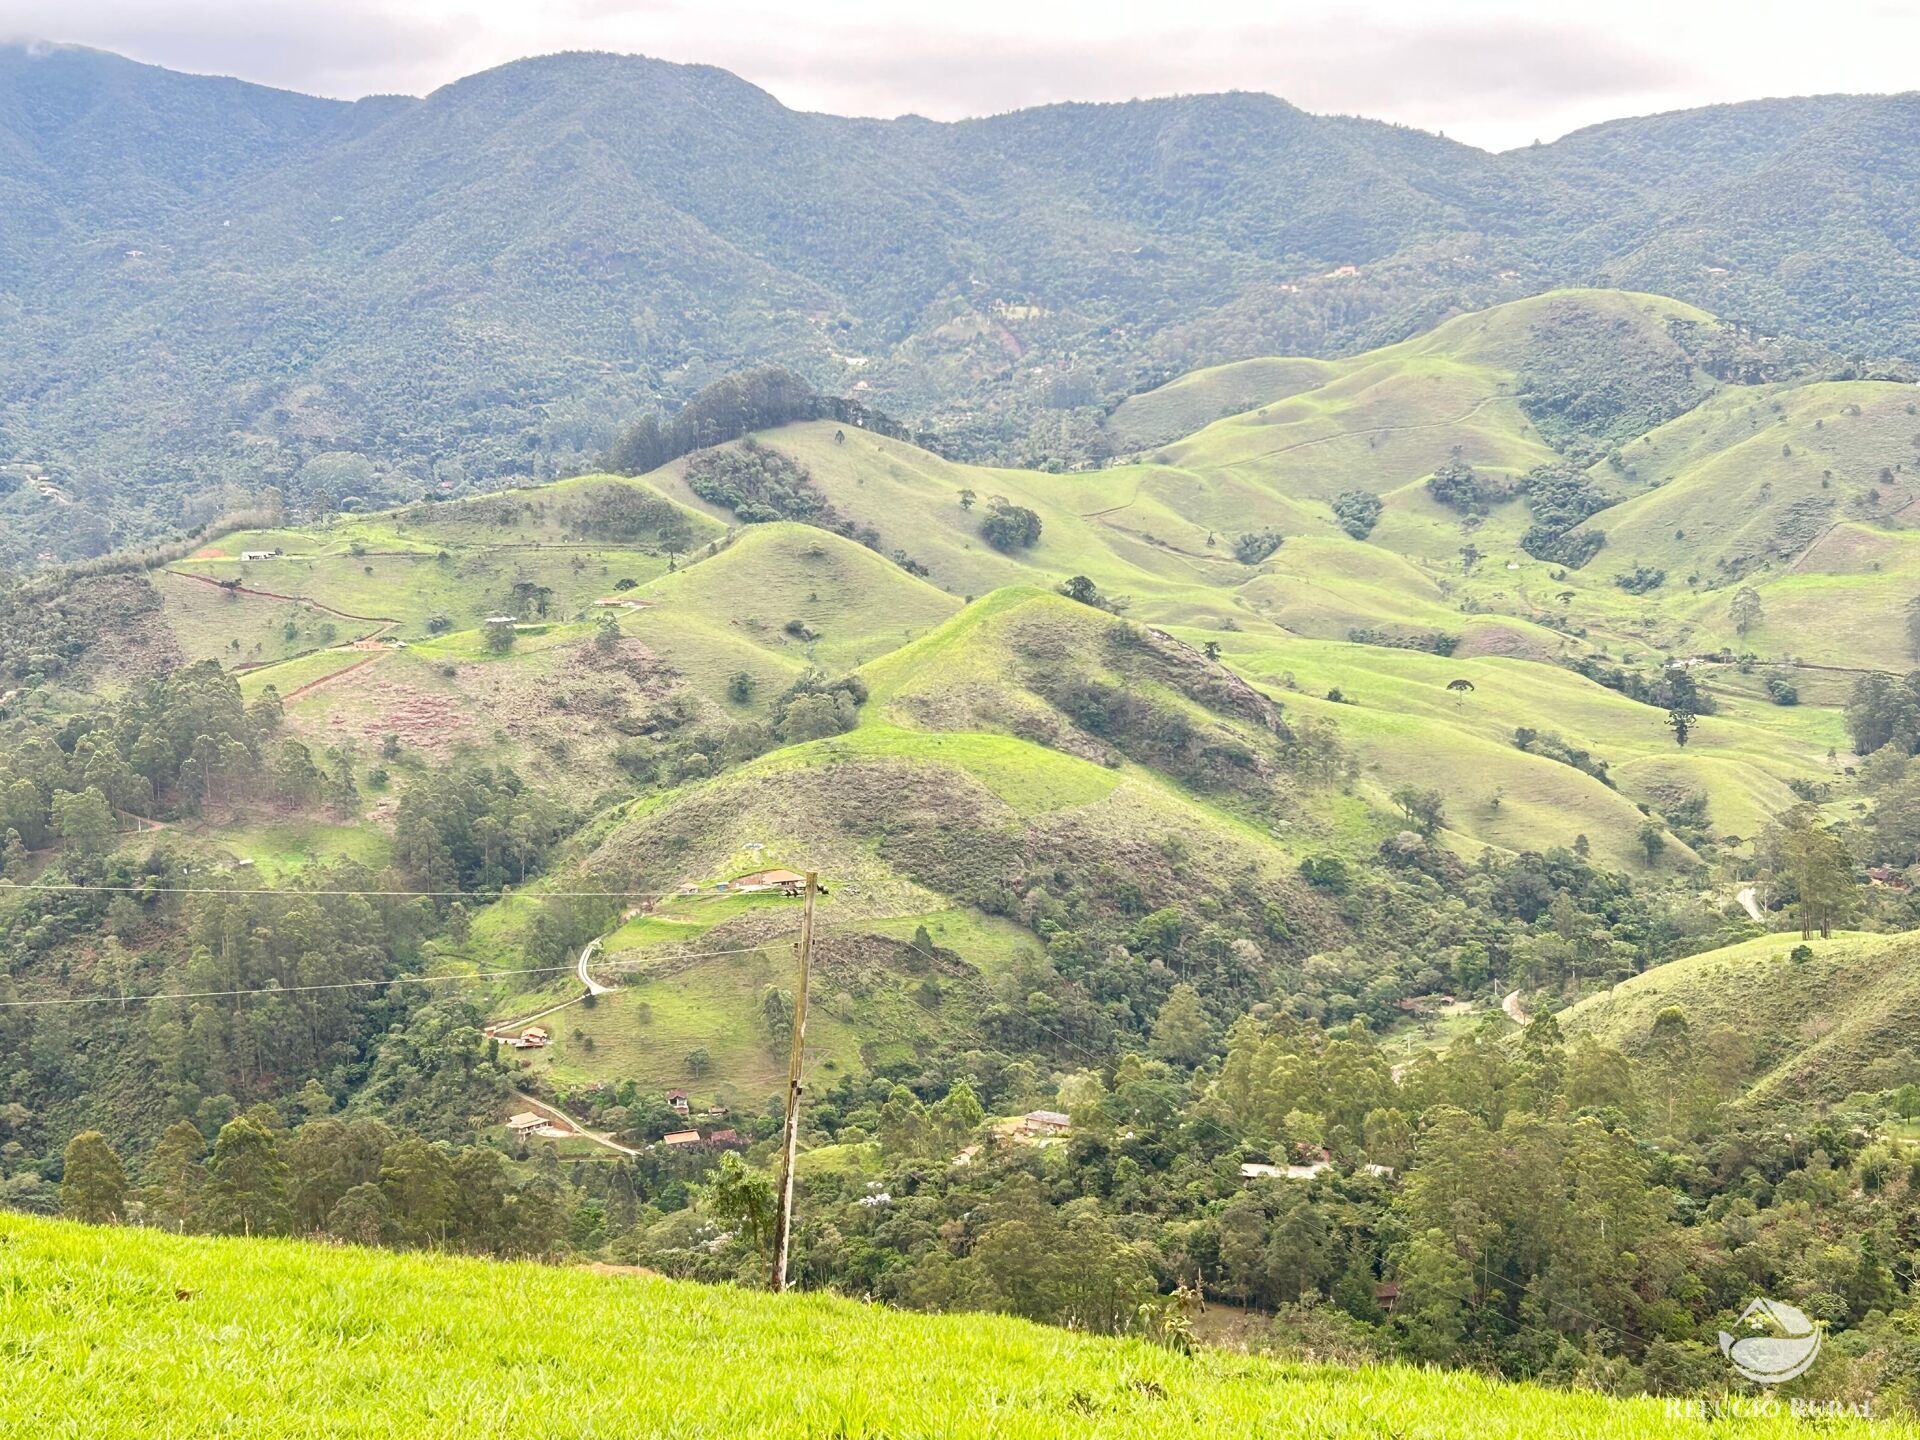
(488, 895)
(477, 977)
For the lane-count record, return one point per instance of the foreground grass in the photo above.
(286, 1339)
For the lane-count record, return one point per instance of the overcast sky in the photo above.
(1496, 73)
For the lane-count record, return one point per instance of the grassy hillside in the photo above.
(1406, 725)
(135, 1333)
(1826, 1025)
(970, 765)
(1013, 742)
(804, 596)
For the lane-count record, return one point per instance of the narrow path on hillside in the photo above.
(1515, 1012)
(1373, 430)
(1749, 904)
(596, 1136)
(312, 685)
(501, 1027)
(593, 987)
(276, 595)
(1138, 486)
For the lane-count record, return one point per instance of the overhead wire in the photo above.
(488, 895)
(475, 977)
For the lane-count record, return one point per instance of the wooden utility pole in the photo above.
(790, 1143)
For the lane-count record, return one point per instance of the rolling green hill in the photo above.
(993, 747)
(143, 1334)
(1427, 594)
(1821, 1026)
(1235, 801)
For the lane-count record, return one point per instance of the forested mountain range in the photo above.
(208, 287)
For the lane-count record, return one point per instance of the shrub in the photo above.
(1357, 511)
(1255, 546)
(1640, 579)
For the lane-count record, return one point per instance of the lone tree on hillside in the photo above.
(1671, 1042)
(1426, 810)
(93, 1184)
(499, 635)
(247, 1181)
(1009, 527)
(84, 821)
(743, 1198)
(1079, 587)
(1745, 609)
(1681, 721)
(1183, 1031)
(173, 1175)
(1653, 840)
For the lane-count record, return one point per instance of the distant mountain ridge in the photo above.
(208, 286)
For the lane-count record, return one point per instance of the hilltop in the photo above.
(140, 1333)
(478, 286)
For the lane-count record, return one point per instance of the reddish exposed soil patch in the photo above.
(425, 722)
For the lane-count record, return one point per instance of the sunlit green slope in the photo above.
(132, 1333)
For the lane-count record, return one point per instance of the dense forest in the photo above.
(1553, 1210)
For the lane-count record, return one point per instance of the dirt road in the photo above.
(574, 1125)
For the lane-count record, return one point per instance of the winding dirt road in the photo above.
(594, 987)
